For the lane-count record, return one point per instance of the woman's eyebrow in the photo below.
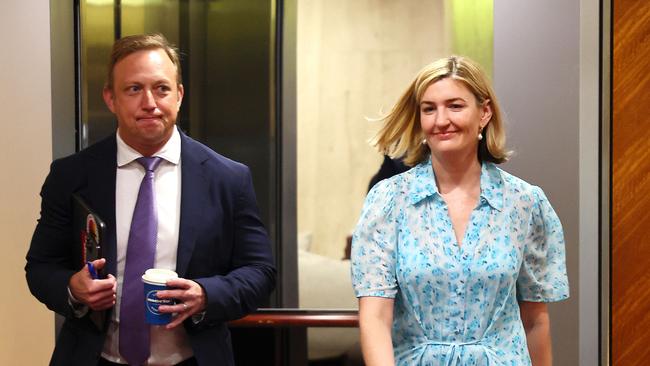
(446, 101)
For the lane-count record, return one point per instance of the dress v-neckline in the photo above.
(463, 239)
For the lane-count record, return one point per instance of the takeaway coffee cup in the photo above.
(154, 280)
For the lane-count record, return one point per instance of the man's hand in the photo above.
(190, 299)
(96, 294)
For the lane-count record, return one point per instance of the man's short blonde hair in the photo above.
(131, 44)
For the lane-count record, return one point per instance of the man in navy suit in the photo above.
(208, 225)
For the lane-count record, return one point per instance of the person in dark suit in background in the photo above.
(206, 228)
(388, 168)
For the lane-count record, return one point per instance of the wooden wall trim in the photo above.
(630, 254)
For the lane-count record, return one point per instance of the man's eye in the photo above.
(164, 88)
(133, 89)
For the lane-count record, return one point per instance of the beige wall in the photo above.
(353, 60)
(27, 336)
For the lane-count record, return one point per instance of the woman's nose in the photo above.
(441, 117)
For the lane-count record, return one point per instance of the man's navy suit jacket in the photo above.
(222, 245)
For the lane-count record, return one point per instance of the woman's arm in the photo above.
(375, 323)
(537, 325)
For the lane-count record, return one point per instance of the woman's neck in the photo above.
(460, 172)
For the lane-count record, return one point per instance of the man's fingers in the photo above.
(180, 283)
(102, 300)
(182, 311)
(189, 296)
(99, 263)
(101, 296)
(93, 292)
(103, 305)
(179, 308)
(172, 294)
(180, 289)
(178, 320)
(97, 286)
(114, 280)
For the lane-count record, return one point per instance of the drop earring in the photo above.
(424, 141)
(480, 135)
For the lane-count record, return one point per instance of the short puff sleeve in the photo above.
(543, 276)
(374, 243)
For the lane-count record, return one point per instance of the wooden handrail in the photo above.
(276, 318)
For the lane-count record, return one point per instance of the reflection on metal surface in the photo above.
(96, 27)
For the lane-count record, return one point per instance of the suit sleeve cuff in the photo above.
(78, 308)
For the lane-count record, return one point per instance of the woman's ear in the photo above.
(486, 113)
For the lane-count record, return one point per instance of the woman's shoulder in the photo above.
(518, 188)
(391, 192)
(388, 188)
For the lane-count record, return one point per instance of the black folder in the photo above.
(89, 230)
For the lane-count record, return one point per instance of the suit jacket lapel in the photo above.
(194, 189)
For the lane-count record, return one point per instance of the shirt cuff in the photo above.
(79, 309)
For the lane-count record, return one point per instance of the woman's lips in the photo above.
(444, 135)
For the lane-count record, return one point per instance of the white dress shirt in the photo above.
(167, 346)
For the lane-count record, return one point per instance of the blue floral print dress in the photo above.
(458, 305)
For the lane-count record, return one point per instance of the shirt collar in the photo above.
(424, 185)
(171, 151)
(492, 185)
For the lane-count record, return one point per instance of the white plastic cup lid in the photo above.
(158, 275)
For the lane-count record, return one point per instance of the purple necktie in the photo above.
(140, 255)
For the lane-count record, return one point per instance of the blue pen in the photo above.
(92, 271)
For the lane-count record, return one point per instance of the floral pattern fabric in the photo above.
(458, 305)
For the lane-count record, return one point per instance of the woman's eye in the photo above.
(456, 106)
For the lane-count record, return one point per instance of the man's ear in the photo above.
(181, 92)
(107, 93)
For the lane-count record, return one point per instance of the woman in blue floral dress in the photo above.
(454, 260)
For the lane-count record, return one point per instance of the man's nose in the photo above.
(148, 100)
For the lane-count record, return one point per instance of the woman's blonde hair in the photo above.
(401, 134)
